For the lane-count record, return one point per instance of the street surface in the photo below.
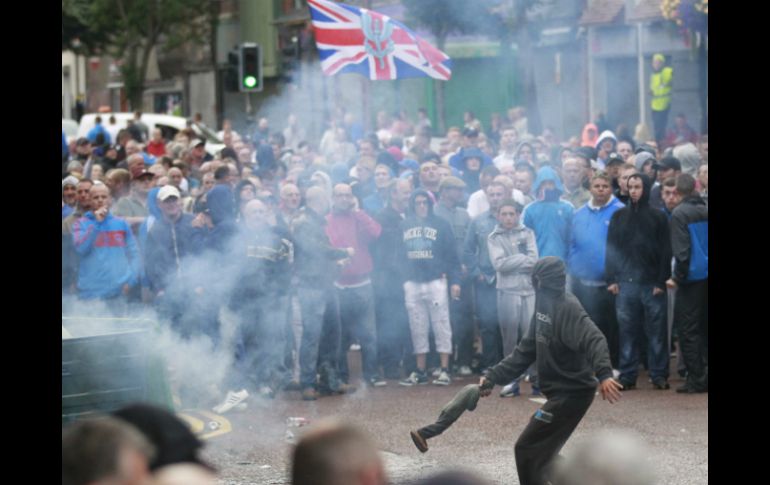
(252, 446)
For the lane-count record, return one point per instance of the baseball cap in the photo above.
(168, 191)
(668, 163)
(614, 158)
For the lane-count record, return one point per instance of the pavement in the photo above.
(253, 446)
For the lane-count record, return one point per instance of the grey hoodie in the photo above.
(513, 254)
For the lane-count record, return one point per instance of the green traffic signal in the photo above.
(250, 81)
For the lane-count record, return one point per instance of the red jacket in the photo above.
(156, 149)
(353, 230)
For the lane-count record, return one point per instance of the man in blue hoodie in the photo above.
(549, 216)
(587, 251)
(109, 258)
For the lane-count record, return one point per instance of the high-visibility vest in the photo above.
(660, 85)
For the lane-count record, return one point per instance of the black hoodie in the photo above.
(429, 246)
(566, 345)
(638, 243)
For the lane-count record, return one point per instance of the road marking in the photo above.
(539, 400)
(209, 426)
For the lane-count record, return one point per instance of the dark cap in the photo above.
(588, 153)
(470, 132)
(645, 148)
(83, 141)
(668, 163)
(614, 158)
(199, 143)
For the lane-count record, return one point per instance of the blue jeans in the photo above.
(320, 346)
(357, 319)
(639, 312)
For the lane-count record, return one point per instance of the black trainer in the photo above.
(687, 389)
(627, 385)
(660, 383)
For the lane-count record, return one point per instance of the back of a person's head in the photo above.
(94, 449)
(685, 184)
(610, 458)
(334, 453)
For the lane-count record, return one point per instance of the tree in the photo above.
(519, 20)
(441, 18)
(691, 16)
(131, 29)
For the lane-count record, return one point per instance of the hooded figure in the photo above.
(549, 216)
(470, 174)
(221, 206)
(637, 265)
(572, 357)
(603, 153)
(432, 265)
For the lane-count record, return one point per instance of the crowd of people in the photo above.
(421, 258)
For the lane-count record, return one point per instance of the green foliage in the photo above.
(129, 29)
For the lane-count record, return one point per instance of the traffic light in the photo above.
(250, 73)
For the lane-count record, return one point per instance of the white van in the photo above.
(169, 126)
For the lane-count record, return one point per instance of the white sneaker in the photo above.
(443, 379)
(232, 400)
(465, 371)
(436, 372)
(510, 390)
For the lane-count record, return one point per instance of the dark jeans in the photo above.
(259, 343)
(659, 121)
(541, 441)
(690, 313)
(489, 326)
(639, 312)
(394, 342)
(189, 314)
(461, 319)
(320, 345)
(600, 306)
(357, 320)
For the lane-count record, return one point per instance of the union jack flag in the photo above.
(351, 39)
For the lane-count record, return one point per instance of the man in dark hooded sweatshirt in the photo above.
(637, 265)
(431, 264)
(572, 359)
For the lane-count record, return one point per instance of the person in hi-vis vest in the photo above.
(660, 89)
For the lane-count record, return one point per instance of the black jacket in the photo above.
(386, 250)
(429, 246)
(167, 247)
(638, 243)
(263, 260)
(689, 240)
(314, 256)
(563, 341)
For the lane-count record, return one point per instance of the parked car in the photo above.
(169, 126)
(70, 128)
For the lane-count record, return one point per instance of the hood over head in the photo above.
(550, 273)
(152, 203)
(221, 204)
(644, 200)
(585, 139)
(605, 135)
(544, 174)
(424, 193)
